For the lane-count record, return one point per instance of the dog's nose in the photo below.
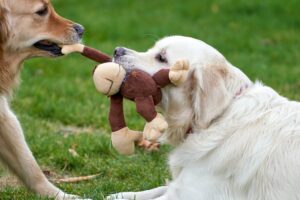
(79, 30)
(119, 51)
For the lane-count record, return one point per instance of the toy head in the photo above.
(108, 78)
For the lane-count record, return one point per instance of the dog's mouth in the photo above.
(49, 46)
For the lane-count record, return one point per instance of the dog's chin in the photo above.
(48, 48)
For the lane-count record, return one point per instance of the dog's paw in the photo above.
(118, 196)
(64, 196)
(179, 72)
(149, 145)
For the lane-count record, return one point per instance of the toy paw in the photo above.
(123, 140)
(67, 49)
(178, 72)
(148, 145)
(154, 129)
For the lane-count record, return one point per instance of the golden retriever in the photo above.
(28, 28)
(234, 139)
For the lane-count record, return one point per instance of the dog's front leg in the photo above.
(15, 153)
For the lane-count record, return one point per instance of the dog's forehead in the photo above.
(37, 2)
(175, 42)
(173, 45)
(188, 48)
(172, 40)
(20, 5)
(164, 43)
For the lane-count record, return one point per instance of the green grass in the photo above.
(261, 37)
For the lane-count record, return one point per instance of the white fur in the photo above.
(246, 137)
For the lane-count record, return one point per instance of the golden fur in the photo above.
(24, 24)
(20, 28)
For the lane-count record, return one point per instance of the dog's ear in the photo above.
(210, 97)
(3, 24)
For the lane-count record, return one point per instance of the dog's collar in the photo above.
(237, 94)
(190, 130)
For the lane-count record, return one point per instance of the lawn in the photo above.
(60, 110)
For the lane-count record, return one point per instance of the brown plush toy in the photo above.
(112, 80)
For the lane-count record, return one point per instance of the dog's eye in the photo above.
(42, 12)
(161, 58)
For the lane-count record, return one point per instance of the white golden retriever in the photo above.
(234, 139)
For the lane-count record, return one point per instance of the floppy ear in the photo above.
(3, 25)
(210, 97)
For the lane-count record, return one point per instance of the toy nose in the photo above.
(119, 51)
